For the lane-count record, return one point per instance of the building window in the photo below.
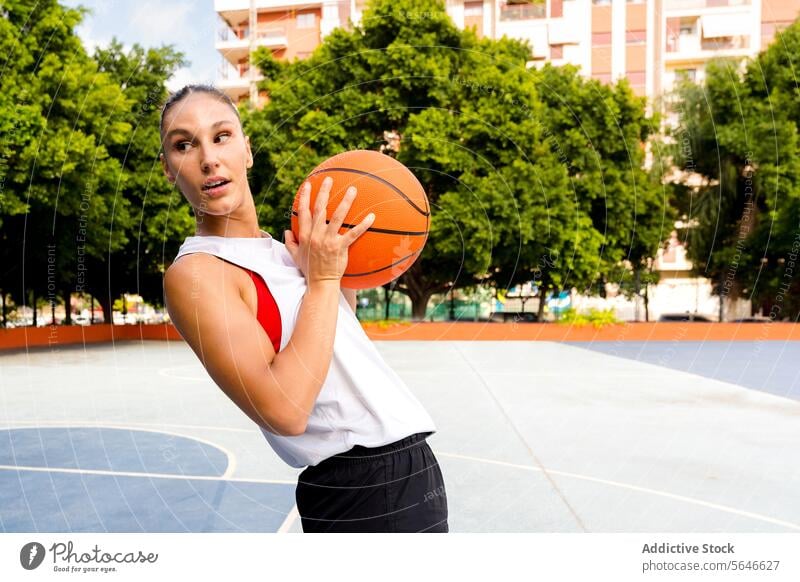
(306, 20)
(635, 36)
(601, 39)
(602, 77)
(556, 51)
(635, 78)
(688, 27)
(473, 9)
(525, 11)
(686, 75)
(771, 29)
(601, 2)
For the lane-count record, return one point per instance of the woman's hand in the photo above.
(321, 252)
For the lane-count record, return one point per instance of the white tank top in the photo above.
(362, 401)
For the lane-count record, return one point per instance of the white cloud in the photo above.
(186, 76)
(162, 22)
(189, 25)
(179, 79)
(87, 35)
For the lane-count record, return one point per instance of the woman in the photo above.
(279, 336)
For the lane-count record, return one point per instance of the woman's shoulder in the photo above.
(193, 272)
(185, 265)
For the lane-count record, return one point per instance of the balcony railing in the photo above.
(693, 4)
(522, 11)
(228, 72)
(725, 43)
(271, 33)
(683, 44)
(226, 34)
(692, 44)
(237, 74)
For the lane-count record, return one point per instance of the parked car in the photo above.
(684, 317)
(752, 320)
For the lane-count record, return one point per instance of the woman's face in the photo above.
(206, 154)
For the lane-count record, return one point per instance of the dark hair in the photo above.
(187, 90)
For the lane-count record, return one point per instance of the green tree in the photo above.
(160, 217)
(772, 85)
(738, 132)
(600, 132)
(471, 127)
(62, 115)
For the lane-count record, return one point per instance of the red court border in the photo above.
(29, 337)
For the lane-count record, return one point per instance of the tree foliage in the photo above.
(738, 133)
(80, 140)
(525, 178)
(160, 216)
(60, 116)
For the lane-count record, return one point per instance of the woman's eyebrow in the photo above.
(180, 130)
(175, 131)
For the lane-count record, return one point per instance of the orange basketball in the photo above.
(402, 214)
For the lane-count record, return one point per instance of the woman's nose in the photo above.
(209, 159)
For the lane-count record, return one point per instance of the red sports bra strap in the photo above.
(268, 314)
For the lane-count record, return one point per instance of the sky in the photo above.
(191, 26)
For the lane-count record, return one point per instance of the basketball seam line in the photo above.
(380, 230)
(389, 184)
(382, 268)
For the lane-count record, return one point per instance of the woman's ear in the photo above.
(170, 176)
(249, 152)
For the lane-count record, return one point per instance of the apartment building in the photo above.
(651, 42)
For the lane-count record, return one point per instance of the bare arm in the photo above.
(207, 309)
(277, 392)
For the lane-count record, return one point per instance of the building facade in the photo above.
(650, 42)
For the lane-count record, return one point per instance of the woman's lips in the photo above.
(217, 190)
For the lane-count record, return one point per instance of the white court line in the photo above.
(289, 521)
(231, 467)
(700, 502)
(127, 425)
(149, 475)
(230, 458)
(668, 495)
(168, 373)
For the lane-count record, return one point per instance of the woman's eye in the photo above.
(223, 137)
(181, 145)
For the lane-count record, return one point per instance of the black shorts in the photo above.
(394, 488)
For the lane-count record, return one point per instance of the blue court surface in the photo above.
(532, 437)
(767, 366)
